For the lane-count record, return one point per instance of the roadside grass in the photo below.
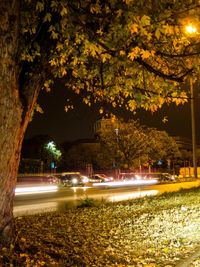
(153, 231)
(91, 202)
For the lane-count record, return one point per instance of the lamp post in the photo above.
(192, 30)
(194, 145)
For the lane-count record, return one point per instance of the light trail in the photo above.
(116, 198)
(35, 190)
(127, 183)
(33, 208)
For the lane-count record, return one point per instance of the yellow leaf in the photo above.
(63, 71)
(122, 52)
(145, 20)
(145, 54)
(101, 110)
(157, 33)
(77, 91)
(85, 100)
(100, 32)
(47, 17)
(134, 28)
(128, 2)
(134, 53)
(40, 110)
(104, 57)
(59, 46)
(165, 119)
(53, 62)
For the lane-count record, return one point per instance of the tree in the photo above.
(42, 148)
(131, 142)
(124, 141)
(126, 53)
(52, 155)
(162, 146)
(81, 154)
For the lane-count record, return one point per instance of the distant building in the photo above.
(106, 122)
(183, 143)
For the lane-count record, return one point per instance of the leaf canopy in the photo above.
(127, 53)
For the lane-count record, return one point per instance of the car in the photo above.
(72, 179)
(134, 176)
(99, 178)
(167, 177)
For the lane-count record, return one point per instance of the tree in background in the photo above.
(125, 143)
(40, 148)
(80, 155)
(33, 147)
(131, 144)
(162, 147)
(52, 155)
(123, 53)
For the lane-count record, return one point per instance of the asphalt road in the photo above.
(64, 198)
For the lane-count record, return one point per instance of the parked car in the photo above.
(72, 179)
(99, 178)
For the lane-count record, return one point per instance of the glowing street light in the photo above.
(190, 29)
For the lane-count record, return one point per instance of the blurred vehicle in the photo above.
(38, 178)
(135, 176)
(52, 179)
(162, 177)
(167, 177)
(99, 178)
(72, 179)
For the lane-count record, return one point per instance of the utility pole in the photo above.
(194, 145)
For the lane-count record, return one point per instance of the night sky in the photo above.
(79, 123)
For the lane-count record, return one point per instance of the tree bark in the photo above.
(15, 113)
(10, 116)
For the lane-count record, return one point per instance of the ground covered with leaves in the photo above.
(154, 231)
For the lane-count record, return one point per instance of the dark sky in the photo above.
(79, 124)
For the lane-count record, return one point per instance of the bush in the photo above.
(90, 202)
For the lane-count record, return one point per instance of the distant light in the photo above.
(190, 29)
(35, 190)
(74, 181)
(51, 145)
(138, 177)
(85, 179)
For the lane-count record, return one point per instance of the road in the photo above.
(57, 199)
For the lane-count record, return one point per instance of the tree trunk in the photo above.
(10, 117)
(11, 136)
(16, 106)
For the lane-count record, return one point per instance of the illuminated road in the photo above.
(52, 198)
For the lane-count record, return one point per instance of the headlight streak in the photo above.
(133, 195)
(35, 190)
(33, 209)
(127, 183)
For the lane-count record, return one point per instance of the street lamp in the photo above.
(192, 30)
(194, 145)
